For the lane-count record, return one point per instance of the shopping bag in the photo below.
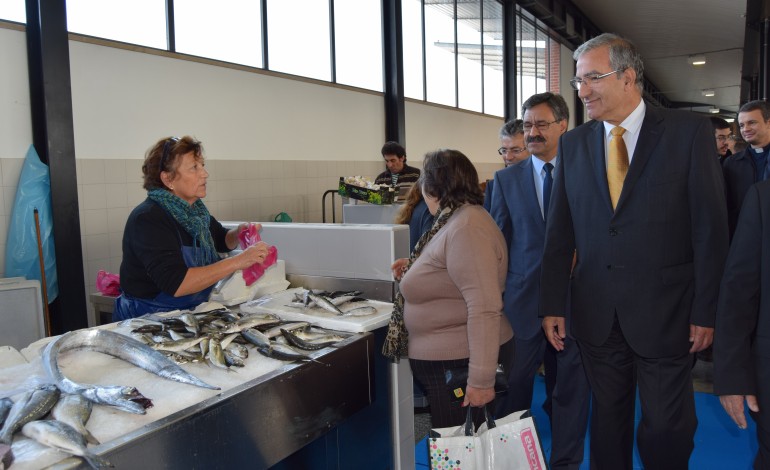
(456, 448)
(250, 236)
(512, 443)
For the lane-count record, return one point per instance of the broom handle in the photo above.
(42, 275)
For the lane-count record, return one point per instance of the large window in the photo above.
(13, 10)
(299, 38)
(358, 43)
(226, 30)
(140, 22)
(452, 49)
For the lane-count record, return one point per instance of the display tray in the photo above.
(278, 304)
(384, 195)
(185, 413)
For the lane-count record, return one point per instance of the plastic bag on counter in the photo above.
(247, 237)
(108, 283)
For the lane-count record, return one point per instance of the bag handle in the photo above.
(468, 427)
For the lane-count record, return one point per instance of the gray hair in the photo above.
(512, 128)
(623, 54)
(555, 102)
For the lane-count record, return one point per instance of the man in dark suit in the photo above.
(640, 197)
(519, 205)
(749, 166)
(742, 337)
(512, 150)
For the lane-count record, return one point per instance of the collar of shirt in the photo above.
(632, 124)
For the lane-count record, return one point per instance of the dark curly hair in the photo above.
(167, 152)
(450, 177)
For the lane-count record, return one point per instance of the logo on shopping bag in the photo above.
(458, 392)
(529, 442)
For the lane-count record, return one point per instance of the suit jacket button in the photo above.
(609, 266)
(613, 232)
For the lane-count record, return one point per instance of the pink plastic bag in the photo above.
(108, 283)
(249, 236)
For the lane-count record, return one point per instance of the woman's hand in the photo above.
(251, 255)
(478, 396)
(231, 239)
(399, 268)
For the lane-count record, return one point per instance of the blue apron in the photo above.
(127, 306)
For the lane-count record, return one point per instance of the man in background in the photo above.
(639, 196)
(397, 173)
(722, 134)
(519, 205)
(750, 166)
(512, 149)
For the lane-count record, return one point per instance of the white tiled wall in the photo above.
(237, 190)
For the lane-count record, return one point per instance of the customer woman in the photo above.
(171, 242)
(452, 288)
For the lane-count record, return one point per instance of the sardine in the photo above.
(63, 437)
(5, 407)
(75, 411)
(31, 406)
(191, 322)
(232, 360)
(324, 303)
(360, 311)
(250, 321)
(176, 346)
(283, 352)
(114, 344)
(256, 337)
(216, 354)
(276, 331)
(238, 350)
(298, 342)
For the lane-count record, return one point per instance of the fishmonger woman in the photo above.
(171, 243)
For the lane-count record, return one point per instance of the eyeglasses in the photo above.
(591, 79)
(723, 138)
(542, 126)
(504, 150)
(167, 150)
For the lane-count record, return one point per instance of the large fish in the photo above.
(324, 303)
(75, 410)
(31, 406)
(63, 437)
(130, 350)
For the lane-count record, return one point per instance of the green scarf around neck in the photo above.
(396, 343)
(194, 218)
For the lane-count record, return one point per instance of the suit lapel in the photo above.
(527, 190)
(596, 154)
(649, 134)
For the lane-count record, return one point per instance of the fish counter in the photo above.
(263, 412)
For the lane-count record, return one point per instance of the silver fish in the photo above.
(232, 360)
(360, 311)
(63, 437)
(191, 322)
(31, 406)
(256, 337)
(238, 350)
(176, 346)
(75, 411)
(107, 342)
(216, 354)
(283, 352)
(324, 303)
(298, 342)
(5, 407)
(250, 321)
(276, 331)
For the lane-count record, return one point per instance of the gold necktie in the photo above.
(617, 164)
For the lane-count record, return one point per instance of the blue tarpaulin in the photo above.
(21, 250)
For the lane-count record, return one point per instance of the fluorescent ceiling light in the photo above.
(708, 92)
(730, 119)
(714, 110)
(698, 59)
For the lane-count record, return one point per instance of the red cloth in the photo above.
(247, 237)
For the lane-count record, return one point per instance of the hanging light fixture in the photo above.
(708, 92)
(697, 59)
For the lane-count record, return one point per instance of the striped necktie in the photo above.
(617, 164)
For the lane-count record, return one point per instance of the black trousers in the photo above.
(667, 426)
(444, 412)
